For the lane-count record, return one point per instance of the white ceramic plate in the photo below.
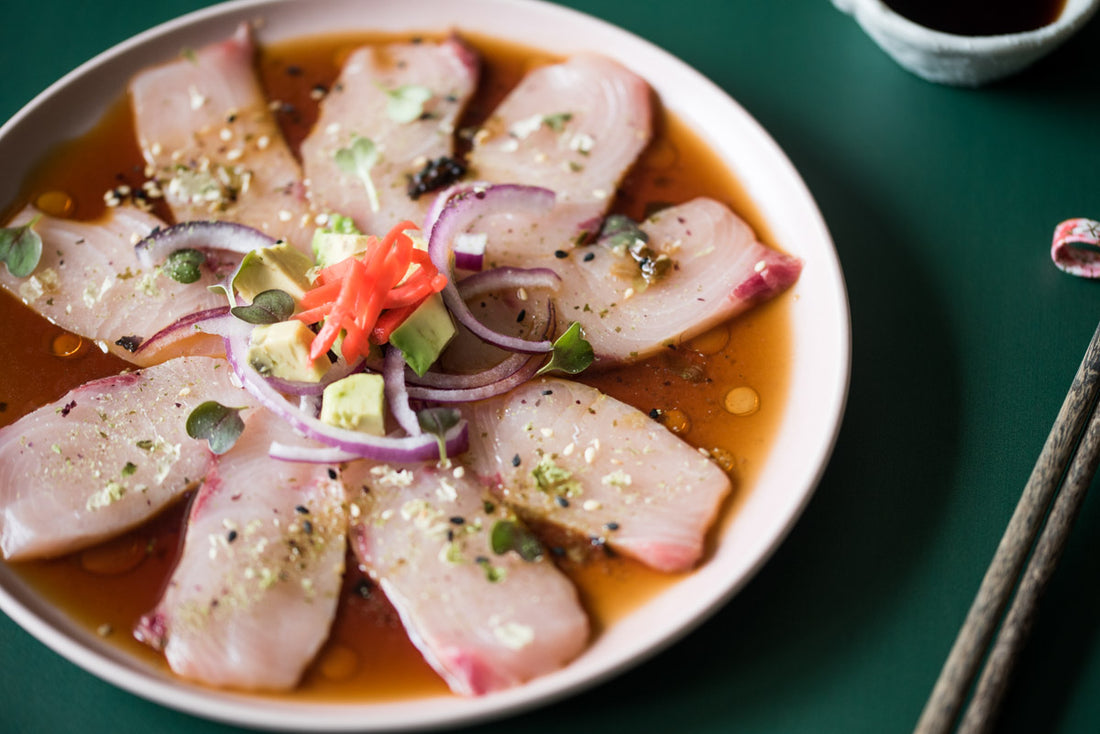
(808, 430)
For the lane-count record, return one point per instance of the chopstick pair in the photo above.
(1068, 460)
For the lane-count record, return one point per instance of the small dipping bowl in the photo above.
(966, 61)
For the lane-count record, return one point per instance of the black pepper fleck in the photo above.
(130, 343)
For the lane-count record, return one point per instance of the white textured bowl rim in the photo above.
(820, 326)
(876, 13)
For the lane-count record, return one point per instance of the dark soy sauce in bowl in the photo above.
(979, 17)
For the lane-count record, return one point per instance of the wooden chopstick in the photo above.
(941, 712)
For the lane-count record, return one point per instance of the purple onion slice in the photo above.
(201, 235)
(460, 210)
(343, 444)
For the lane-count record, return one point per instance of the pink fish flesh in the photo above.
(255, 589)
(716, 269)
(574, 128)
(106, 457)
(213, 145)
(564, 453)
(90, 283)
(364, 103)
(484, 621)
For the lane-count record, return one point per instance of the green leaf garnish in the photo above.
(572, 352)
(556, 122)
(269, 307)
(356, 160)
(182, 266)
(340, 224)
(21, 248)
(511, 535)
(437, 421)
(406, 103)
(218, 425)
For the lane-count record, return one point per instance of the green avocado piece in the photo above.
(279, 266)
(424, 335)
(330, 248)
(282, 350)
(357, 403)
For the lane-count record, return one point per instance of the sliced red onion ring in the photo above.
(343, 444)
(397, 397)
(189, 321)
(202, 235)
(465, 395)
(469, 251)
(299, 388)
(505, 278)
(457, 213)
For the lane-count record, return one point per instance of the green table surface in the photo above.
(941, 202)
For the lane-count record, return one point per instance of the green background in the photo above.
(941, 202)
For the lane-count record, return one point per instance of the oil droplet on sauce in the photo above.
(115, 556)
(339, 663)
(55, 203)
(68, 345)
(725, 460)
(713, 341)
(742, 401)
(676, 420)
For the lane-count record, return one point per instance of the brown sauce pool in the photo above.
(724, 392)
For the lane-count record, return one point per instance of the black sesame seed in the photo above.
(562, 501)
(561, 254)
(307, 526)
(655, 413)
(548, 392)
(522, 315)
(302, 510)
(589, 257)
(612, 526)
(231, 536)
(458, 520)
(515, 460)
(331, 473)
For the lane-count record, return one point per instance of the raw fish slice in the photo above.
(254, 593)
(213, 144)
(106, 457)
(359, 106)
(484, 621)
(564, 453)
(718, 269)
(90, 283)
(574, 128)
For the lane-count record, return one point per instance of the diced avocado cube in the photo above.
(279, 266)
(330, 248)
(356, 402)
(282, 350)
(424, 335)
